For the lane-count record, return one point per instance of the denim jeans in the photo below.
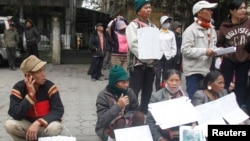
(192, 83)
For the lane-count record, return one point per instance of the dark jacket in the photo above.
(95, 46)
(32, 35)
(21, 102)
(108, 111)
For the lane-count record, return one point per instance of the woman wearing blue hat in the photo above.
(117, 105)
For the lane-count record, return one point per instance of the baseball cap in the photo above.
(203, 4)
(32, 64)
(120, 25)
(99, 24)
(164, 18)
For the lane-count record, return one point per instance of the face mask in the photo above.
(172, 91)
(166, 25)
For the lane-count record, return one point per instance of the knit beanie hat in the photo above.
(117, 73)
(139, 4)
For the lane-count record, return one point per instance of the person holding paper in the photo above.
(172, 89)
(235, 32)
(141, 71)
(198, 45)
(169, 49)
(117, 105)
(210, 88)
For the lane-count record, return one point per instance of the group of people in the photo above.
(11, 40)
(35, 103)
(198, 49)
(108, 47)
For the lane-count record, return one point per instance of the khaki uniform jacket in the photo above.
(11, 38)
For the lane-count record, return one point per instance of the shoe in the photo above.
(93, 79)
(99, 79)
(13, 68)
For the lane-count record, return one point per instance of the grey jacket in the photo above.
(108, 110)
(32, 36)
(194, 45)
(200, 97)
(160, 95)
(11, 38)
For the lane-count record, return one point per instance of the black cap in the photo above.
(99, 24)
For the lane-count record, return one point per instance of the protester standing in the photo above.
(33, 37)
(168, 48)
(141, 71)
(176, 27)
(11, 40)
(234, 32)
(98, 44)
(198, 44)
(119, 44)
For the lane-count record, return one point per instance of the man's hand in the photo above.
(32, 131)
(123, 101)
(29, 81)
(210, 53)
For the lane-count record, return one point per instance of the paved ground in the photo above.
(78, 94)
(77, 91)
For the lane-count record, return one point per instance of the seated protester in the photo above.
(35, 104)
(210, 88)
(172, 89)
(117, 105)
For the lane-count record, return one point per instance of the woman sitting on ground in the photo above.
(172, 89)
(210, 88)
(117, 105)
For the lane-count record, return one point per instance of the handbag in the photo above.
(59, 137)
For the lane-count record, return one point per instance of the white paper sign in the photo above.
(215, 112)
(178, 111)
(221, 51)
(138, 133)
(225, 107)
(149, 43)
(57, 138)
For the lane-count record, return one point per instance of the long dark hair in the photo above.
(210, 77)
(234, 5)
